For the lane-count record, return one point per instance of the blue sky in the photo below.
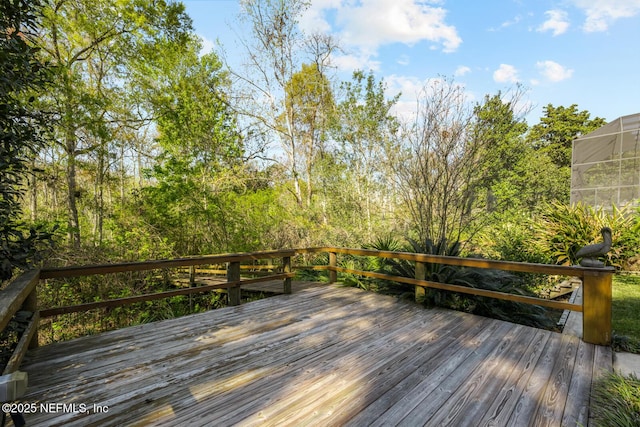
(584, 52)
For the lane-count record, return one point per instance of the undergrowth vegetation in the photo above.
(616, 401)
(495, 280)
(554, 233)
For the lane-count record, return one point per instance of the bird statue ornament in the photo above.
(590, 253)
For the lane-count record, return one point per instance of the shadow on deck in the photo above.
(325, 355)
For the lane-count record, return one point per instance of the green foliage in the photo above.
(511, 237)
(501, 133)
(363, 127)
(494, 280)
(558, 128)
(22, 76)
(194, 215)
(194, 120)
(96, 47)
(563, 229)
(308, 100)
(616, 401)
(533, 181)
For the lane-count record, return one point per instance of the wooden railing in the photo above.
(21, 293)
(232, 284)
(597, 284)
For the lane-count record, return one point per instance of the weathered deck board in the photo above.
(323, 356)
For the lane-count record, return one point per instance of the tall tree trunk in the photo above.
(122, 175)
(70, 144)
(33, 182)
(99, 194)
(72, 193)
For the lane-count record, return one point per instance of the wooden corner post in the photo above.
(420, 274)
(333, 263)
(286, 268)
(596, 306)
(233, 275)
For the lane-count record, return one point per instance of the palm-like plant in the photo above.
(495, 280)
(564, 229)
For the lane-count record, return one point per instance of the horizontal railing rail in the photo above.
(596, 282)
(21, 293)
(521, 267)
(119, 302)
(88, 270)
(560, 305)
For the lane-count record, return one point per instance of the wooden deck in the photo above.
(324, 355)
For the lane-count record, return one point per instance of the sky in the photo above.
(563, 52)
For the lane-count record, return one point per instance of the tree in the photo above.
(309, 107)
(436, 164)
(558, 128)
(92, 45)
(364, 126)
(501, 132)
(23, 75)
(548, 168)
(277, 50)
(201, 151)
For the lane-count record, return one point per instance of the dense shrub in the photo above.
(494, 280)
(562, 230)
(511, 236)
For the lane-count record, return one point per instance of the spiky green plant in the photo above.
(495, 280)
(564, 229)
(616, 401)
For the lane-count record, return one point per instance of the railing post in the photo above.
(192, 276)
(420, 274)
(31, 304)
(596, 306)
(233, 275)
(286, 268)
(333, 262)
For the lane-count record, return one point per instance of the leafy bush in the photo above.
(563, 229)
(495, 280)
(21, 131)
(512, 237)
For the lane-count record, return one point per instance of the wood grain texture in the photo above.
(324, 355)
(15, 294)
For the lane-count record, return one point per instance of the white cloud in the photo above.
(557, 22)
(410, 88)
(506, 74)
(461, 71)
(313, 20)
(371, 24)
(601, 14)
(362, 27)
(378, 22)
(207, 45)
(554, 71)
(351, 62)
